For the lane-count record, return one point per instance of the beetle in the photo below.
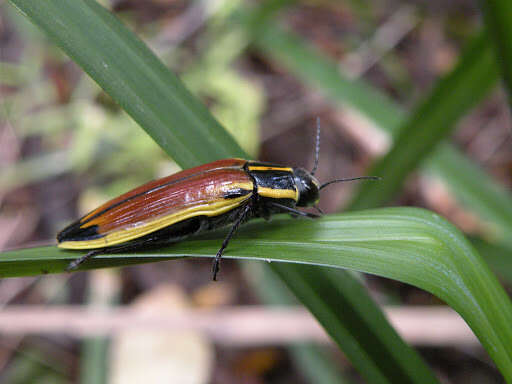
(210, 196)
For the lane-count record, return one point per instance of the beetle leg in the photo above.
(75, 263)
(216, 262)
(116, 249)
(294, 211)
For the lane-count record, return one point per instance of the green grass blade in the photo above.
(102, 292)
(432, 122)
(133, 76)
(498, 19)
(94, 360)
(315, 365)
(406, 244)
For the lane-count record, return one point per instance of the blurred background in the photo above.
(66, 147)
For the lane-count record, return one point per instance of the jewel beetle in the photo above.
(210, 196)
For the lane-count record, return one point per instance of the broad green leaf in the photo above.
(406, 244)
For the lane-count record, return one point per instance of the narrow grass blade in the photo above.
(102, 292)
(498, 20)
(94, 360)
(315, 365)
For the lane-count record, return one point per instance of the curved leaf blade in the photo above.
(406, 244)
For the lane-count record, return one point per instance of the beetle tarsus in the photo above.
(76, 263)
(215, 266)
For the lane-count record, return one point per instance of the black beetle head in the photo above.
(307, 186)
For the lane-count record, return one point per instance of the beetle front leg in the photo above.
(294, 212)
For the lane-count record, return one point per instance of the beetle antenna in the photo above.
(350, 179)
(317, 145)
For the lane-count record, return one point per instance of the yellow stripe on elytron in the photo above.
(247, 186)
(264, 168)
(123, 235)
(232, 186)
(279, 193)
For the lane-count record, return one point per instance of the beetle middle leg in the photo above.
(239, 220)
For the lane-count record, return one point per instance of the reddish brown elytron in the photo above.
(119, 210)
(200, 189)
(208, 190)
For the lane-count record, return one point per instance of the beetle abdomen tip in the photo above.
(75, 232)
